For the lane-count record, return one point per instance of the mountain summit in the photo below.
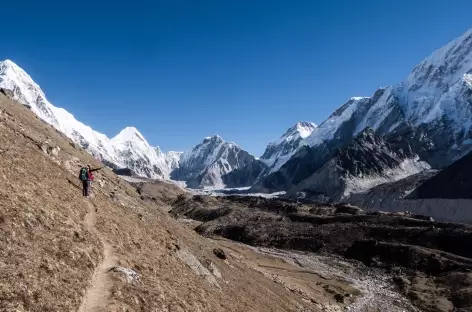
(128, 149)
(210, 163)
(281, 150)
(430, 113)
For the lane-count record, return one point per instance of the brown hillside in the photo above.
(58, 249)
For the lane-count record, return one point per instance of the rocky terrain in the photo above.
(119, 250)
(389, 194)
(367, 161)
(430, 262)
(443, 194)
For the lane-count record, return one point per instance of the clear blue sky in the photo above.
(246, 70)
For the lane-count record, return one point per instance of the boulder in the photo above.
(349, 209)
(7, 93)
(219, 253)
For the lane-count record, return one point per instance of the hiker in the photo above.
(86, 176)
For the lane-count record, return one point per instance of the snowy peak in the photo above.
(279, 151)
(128, 149)
(209, 162)
(430, 113)
(26, 91)
(205, 153)
(139, 156)
(17, 80)
(215, 139)
(129, 134)
(423, 92)
(446, 64)
(301, 128)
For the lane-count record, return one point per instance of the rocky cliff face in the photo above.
(367, 161)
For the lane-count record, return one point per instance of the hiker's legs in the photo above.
(87, 189)
(84, 188)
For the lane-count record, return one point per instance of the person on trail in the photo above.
(86, 176)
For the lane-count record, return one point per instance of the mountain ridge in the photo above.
(210, 163)
(116, 152)
(430, 112)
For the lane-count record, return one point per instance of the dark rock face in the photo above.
(368, 155)
(306, 161)
(7, 93)
(244, 176)
(404, 141)
(385, 195)
(124, 172)
(452, 182)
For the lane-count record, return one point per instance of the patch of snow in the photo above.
(358, 98)
(173, 159)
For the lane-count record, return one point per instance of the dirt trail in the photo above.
(96, 298)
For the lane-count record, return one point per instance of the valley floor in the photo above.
(398, 261)
(332, 283)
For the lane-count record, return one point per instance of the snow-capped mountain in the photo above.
(128, 149)
(136, 154)
(281, 150)
(436, 97)
(210, 163)
(430, 112)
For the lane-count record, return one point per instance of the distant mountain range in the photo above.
(424, 121)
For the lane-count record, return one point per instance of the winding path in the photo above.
(98, 294)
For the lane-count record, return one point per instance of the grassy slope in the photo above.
(47, 256)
